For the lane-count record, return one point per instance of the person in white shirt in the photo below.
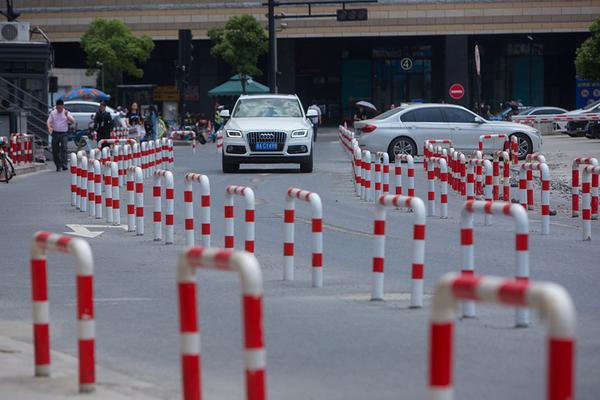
(58, 126)
(316, 121)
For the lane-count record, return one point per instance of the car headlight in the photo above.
(300, 133)
(231, 133)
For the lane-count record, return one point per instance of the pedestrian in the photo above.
(316, 121)
(360, 114)
(133, 116)
(153, 122)
(217, 121)
(103, 123)
(58, 126)
(392, 106)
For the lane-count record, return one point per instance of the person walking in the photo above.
(153, 120)
(103, 123)
(316, 121)
(58, 126)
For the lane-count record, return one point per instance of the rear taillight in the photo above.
(368, 128)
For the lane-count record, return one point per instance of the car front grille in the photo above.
(266, 136)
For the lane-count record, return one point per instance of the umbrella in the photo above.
(90, 94)
(366, 104)
(233, 87)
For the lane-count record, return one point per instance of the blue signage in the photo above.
(586, 92)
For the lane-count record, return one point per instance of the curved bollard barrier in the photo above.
(524, 184)
(110, 176)
(73, 170)
(366, 175)
(42, 243)
(505, 176)
(166, 176)
(514, 150)
(519, 215)
(583, 161)
(358, 171)
(551, 301)
(135, 200)
(436, 163)
(248, 195)
(382, 173)
(428, 147)
(317, 233)
(410, 174)
(116, 196)
(418, 262)
(252, 293)
(188, 198)
(474, 166)
(83, 184)
(589, 172)
(97, 188)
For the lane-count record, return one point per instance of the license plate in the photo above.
(265, 146)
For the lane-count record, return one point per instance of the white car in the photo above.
(267, 129)
(404, 130)
(84, 111)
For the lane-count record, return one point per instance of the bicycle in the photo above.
(7, 169)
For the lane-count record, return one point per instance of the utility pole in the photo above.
(272, 47)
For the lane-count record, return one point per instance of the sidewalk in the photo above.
(18, 383)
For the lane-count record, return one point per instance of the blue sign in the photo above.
(586, 92)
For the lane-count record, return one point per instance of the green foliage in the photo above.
(112, 43)
(587, 60)
(239, 43)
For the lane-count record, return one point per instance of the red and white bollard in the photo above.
(219, 142)
(108, 200)
(42, 243)
(589, 172)
(428, 149)
(166, 176)
(467, 249)
(252, 312)
(514, 150)
(551, 301)
(493, 137)
(188, 198)
(83, 184)
(437, 163)
(97, 188)
(73, 170)
(382, 173)
(115, 194)
(575, 186)
(135, 200)
(171, 155)
(248, 195)
(418, 259)
(410, 174)
(505, 176)
(475, 164)
(366, 177)
(525, 191)
(317, 233)
(358, 170)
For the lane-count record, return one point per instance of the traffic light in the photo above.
(184, 56)
(354, 14)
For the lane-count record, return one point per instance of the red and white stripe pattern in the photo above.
(589, 171)
(84, 264)
(519, 216)
(551, 301)
(83, 183)
(179, 134)
(188, 198)
(91, 189)
(108, 198)
(97, 188)
(418, 259)
(358, 170)
(505, 176)
(317, 233)
(73, 170)
(366, 175)
(219, 142)
(493, 138)
(382, 173)
(524, 190)
(249, 216)
(345, 136)
(171, 154)
(21, 148)
(151, 157)
(119, 133)
(514, 150)
(428, 152)
(582, 161)
(135, 200)
(475, 164)
(116, 196)
(410, 174)
(441, 164)
(556, 118)
(166, 176)
(252, 314)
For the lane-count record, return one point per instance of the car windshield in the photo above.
(389, 113)
(267, 107)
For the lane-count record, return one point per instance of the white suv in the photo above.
(267, 129)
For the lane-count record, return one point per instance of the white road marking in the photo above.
(83, 231)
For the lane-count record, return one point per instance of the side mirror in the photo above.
(312, 113)
(224, 113)
(478, 120)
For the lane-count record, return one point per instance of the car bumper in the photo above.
(295, 150)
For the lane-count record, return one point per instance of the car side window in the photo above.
(74, 108)
(456, 115)
(88, 108)
(429, 114)
(408, 117)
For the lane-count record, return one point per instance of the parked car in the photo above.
(267, 129)
(83, 112)
(404, 130)
(593, 131)
(578, 128)
(544, 128)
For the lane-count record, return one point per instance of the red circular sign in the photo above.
(456, 91)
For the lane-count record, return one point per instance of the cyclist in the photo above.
(7, 170)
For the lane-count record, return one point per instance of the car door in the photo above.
(466, 130)
(426, 123)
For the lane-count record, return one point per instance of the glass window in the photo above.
(74, 108)
(267, 107)
(457, 115)
(91, 108)
(408, 117)
(429, 114)
(389, 113)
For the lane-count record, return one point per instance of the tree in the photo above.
(587, 60)
(239, 43)
(111, 44)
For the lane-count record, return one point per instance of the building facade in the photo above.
(406, 51)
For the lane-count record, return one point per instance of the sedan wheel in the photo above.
(525, 145)
(402, 145)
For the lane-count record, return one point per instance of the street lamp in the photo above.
(530, 38)
(101, 65)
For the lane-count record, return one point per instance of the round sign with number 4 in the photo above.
(406, 64)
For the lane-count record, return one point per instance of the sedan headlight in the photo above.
(300, 133)
(231, 133)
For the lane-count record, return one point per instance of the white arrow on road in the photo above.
(83, 231)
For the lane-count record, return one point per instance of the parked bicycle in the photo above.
(7, 169)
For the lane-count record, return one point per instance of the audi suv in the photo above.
(267, 129)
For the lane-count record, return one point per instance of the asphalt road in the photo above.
(330, 343)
